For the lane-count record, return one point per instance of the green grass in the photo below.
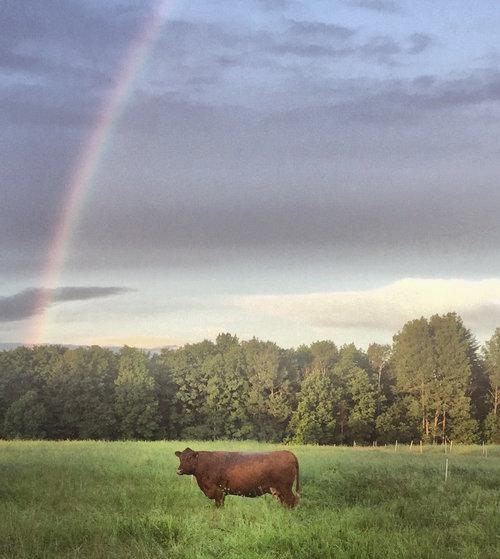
(124, 499)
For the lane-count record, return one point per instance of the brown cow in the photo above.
(248, 474)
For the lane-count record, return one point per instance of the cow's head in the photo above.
(189, 459)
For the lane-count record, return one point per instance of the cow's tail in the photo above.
(297, 482)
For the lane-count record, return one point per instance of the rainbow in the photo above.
(88, 162)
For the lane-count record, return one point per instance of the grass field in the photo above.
(124, 499)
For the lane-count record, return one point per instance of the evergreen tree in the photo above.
(453, 347)
(413, 360)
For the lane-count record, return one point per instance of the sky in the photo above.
(283, 169)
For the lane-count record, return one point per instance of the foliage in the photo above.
(431, 384)
(136, 405)
(26, 418)
(491, 354)
(314, 419)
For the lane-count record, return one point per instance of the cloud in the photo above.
(382, 49)
(278, 5)
(26, 303)
(320, 29)
(384, 6)
(386, 308)
(419, 42)
(404, 101)
(316, 39)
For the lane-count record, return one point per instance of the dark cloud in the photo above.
(60, 59)
(335, 223)
(312, 39)
(419, 42)
(382, 49)
(101, 29)
(384, 6)
(482, 317)
(401, 101)
(310, 50)
(238, 138)
(309, 39)
(25, 304)
(225, 179)
(319, 29)
(273, 5)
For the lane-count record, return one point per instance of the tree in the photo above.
(159, 368)
(313, 422)
(401, 422)
(454, 348)
(270, 399)
(355, 411)
(433, 362)
(26, 418)
(190, 380)
(227, 394)
(135, 400)
(414, 366)
(379, 357)
(23, 369)
(80, 392)
(324, 354)
(491, 352)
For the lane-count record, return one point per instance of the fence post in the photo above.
(446, 471)
(396, 447)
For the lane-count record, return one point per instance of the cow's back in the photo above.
(250, 474)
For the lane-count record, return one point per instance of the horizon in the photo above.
(287, 170)
(142, 343)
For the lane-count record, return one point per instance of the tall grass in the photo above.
(124, 499)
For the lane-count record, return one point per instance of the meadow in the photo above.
(124, 499)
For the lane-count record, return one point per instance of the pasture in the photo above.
(124, 499)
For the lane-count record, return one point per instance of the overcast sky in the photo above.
(286, 169)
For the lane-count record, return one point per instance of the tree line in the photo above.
(434, 383)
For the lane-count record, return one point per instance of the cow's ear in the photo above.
(188, 449)
(177, 453)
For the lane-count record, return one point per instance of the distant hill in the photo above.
(115, 349)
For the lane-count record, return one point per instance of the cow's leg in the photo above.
(287, 498)
(277, 492)
(219, 499)
(215, 493)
